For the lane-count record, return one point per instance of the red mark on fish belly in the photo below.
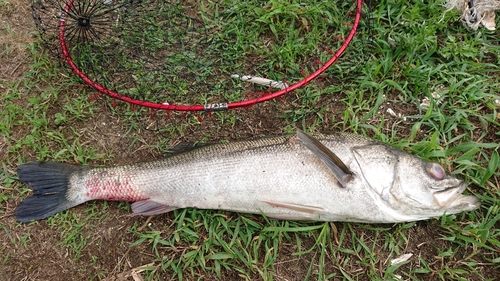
(110, 186)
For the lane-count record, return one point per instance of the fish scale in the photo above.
(338, 177)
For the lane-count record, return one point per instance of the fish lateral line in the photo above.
(391, 185)
(328, 157)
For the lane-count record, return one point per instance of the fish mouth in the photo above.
(454, 201)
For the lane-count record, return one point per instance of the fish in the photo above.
(302, 176)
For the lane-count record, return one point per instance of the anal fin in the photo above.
(150, 207)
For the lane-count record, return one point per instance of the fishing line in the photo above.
(171, 55)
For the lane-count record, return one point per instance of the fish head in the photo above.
(410, 186)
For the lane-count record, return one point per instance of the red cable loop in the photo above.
(245, 103)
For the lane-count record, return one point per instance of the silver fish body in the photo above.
(339, 177)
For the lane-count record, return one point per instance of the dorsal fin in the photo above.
(184, 147)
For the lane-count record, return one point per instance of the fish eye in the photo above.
(435, 170)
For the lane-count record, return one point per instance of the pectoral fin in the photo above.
(150, 207)
(332, 161)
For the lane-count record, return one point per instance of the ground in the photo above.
(101, 241)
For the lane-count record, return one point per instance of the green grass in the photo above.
(410, 53)
(198, 53)
(27, 102)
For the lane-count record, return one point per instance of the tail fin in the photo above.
(50, 184)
